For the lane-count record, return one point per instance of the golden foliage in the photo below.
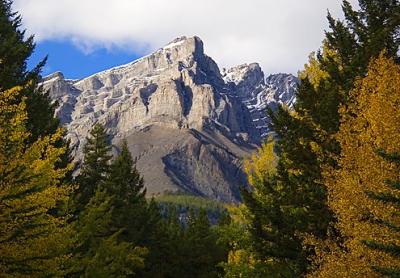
(312, 70)
(262, 163)
(241, 261)
(370, 123)
(32, 239)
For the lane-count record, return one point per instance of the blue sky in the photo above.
(82, 37)
(64, 56)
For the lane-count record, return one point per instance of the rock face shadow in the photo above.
(146, 92)
(186, 94)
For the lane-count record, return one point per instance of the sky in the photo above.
(82, 37)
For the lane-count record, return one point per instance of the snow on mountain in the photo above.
(258, 93)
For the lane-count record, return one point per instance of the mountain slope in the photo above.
(187, 127)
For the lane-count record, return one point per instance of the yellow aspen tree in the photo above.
(262, 163)
(313, 70)
(33, 239)
(364, 193)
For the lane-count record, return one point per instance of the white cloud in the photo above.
(277, 34)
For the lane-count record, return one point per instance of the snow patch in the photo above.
(173, 44)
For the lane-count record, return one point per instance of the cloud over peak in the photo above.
(277, 34)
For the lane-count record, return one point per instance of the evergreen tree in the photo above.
(132, 212)
(184, 246)
(292, 203)
(99, 251)
(96, 165)
(276, 250)
(112, 212)
(174, 251)
(33, 242)
(203, 253)
(126, 186)
(164, 240)
(139, 220)
(15, 50)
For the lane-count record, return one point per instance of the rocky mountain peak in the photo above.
(185, 46)
(245, 79)
(257, 93)
(245, 73)
(189, 52)
(55, 75)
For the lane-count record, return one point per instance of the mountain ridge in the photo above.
(187, 125)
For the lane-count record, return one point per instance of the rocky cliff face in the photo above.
(187, 125)
(258, 93)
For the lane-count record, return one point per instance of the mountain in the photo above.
(187, 125)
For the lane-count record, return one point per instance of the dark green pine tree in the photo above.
(99, 250)
(174, 230)
(164, 241)
(140, 221)
(131, 212)
(15, 50)
(293, 201)
(274, 220)
(111, 213)
(363, 35)
(96, 165)
(202, 251)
